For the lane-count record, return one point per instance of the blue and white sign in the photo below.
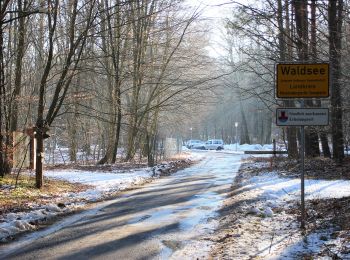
(302, 116)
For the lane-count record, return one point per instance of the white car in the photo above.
(214, 144)
(195, 144)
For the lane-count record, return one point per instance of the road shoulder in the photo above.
(258, 223)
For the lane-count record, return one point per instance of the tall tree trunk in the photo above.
(41, 126)
(19, 61)
(335, 23)
(152, 141)
(244, 136)
(2, 94)
(72, 128)
(112, 25)
(313, 47)
(268, 129)
(325, 145)
(4, 162)
(118, 126)
(142, 15)
(5, 135)
(301, 20)
(107, 46)
(116, 48)
(76, 43)
(282, 36)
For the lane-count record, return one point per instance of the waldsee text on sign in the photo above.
(302, 80)
(302, 116)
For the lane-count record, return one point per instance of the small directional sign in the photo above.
(302, 80)
(302, 116)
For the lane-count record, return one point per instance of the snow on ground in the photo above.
(103, 183)
(262, 228)
(249, 147)
(272, 187)
(258, 231)
(240, 148)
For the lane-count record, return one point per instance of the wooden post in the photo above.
(32, 148)
(273, 157)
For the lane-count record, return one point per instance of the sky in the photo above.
(215, 11)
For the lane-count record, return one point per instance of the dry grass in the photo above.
(25, 196)
(315, 168)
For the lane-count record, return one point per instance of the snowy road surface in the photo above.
(164, 219)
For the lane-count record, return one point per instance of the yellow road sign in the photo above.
(302, 80)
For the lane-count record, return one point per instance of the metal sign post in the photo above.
(302, 117)
(302, 177)
(298, 81)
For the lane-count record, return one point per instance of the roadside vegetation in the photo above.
(261, 216)
(20, 194)
(69, 189)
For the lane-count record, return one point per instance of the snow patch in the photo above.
(103, 183)
(276, 235)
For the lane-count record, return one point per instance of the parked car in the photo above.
(195, 144)
(214, 144)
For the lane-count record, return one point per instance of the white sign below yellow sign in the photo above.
(302, 116)
(305, 80)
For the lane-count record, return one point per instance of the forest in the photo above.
(110, 77)
(260, 35)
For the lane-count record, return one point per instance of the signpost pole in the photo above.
(302, 224)
(302, 177)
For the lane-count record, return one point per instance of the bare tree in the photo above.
(335, 25)
(76, 42)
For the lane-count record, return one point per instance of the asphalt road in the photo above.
(156, 221)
